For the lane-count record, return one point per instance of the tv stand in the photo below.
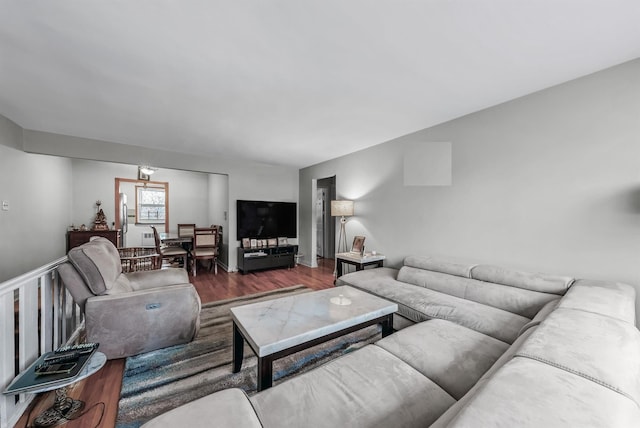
(250, 259)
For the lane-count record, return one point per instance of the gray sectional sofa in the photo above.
(477, 346)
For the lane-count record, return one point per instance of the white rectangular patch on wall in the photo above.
(428, 164)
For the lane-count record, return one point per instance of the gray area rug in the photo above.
(161, 380)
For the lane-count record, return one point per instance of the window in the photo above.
(150, 205)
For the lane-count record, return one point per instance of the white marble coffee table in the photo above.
(280, 327)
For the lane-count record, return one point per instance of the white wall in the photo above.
(32, 231)
(549, 182)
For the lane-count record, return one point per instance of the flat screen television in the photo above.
(263, 219)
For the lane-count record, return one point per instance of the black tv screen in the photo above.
(262, 219)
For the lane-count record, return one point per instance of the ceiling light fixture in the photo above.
(145, 169)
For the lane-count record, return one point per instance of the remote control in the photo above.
(61, 358)
(83, 348)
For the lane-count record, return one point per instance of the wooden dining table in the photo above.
(172, 237)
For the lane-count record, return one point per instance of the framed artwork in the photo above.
(246, 243)
(358, 244)
(283, 241)
(272, 242)
(254, 243)
(263, 243)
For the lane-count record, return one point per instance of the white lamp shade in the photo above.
(341, 208)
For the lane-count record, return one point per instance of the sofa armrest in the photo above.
(131, 323)
(226, 408)
(157, 278)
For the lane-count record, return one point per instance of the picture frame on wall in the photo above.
(358, 244)
(246, 243)
(283, 241)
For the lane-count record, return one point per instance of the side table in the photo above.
(358, 260)
(64, 408)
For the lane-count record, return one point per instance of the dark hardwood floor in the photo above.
(104, 386)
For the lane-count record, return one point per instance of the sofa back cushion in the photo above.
(530, 394)
(512, 299)
(440, 264)
(543, 283)
(75, 284)
(98, 263)
(612, 299)
(599, 348)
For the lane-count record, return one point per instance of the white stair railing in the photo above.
(37, 315)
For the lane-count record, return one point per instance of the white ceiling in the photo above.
(290, 82)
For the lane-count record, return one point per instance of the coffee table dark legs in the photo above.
(387, 325)
(265, 373)
(238, 348)
(265, 364)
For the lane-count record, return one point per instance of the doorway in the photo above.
(325, 224)
(128, 214)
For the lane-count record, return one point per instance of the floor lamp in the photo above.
(341, 209)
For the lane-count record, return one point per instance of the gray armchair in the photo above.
(130, 313)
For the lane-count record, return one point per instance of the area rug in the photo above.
(161, 380)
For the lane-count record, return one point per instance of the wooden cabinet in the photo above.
(79, 237)
(266, 258)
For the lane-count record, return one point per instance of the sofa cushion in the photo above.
(527, 393)
(75, 284)
(608, 298)
(452, 356)
(440, 264)
(98, 262)
(367, 388)
(540, 316)
(382, 276)
(420, 304)
(513, 299)
(226, 408)
(544, 283)
(601, 349)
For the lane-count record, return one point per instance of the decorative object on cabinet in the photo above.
(100, 223)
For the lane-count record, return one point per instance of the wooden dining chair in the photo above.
(206, 243)
(185, 230)
(170, 251)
